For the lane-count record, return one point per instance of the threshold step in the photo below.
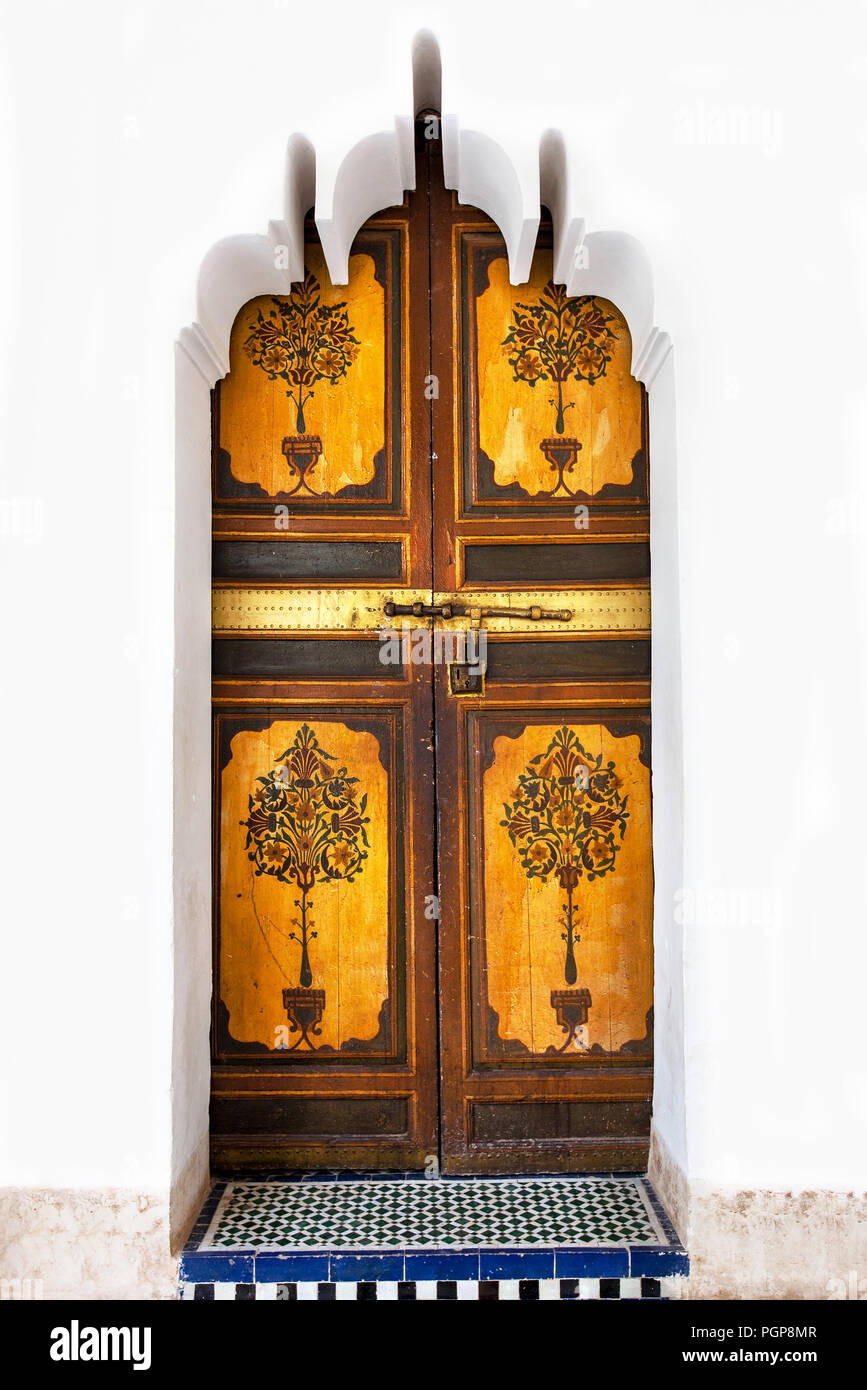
(401, 1236)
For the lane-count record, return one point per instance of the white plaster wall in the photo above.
(730, 140)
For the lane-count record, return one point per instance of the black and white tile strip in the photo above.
(469, 1290)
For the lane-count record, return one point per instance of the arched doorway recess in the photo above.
(615, 263)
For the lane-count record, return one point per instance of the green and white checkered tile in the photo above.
(520, 1214)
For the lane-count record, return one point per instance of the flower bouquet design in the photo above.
(302, 341)
(568, 819)
(560, 339)
(306, 825)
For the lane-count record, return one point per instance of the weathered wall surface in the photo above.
(777, 1245)
(795, 1244)
(73, 1243)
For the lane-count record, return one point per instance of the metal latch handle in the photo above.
(419, 610)
(535, 613)
(458, 610)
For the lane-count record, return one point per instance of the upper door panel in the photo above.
(312, 415)
(539, 429)
(550, 413)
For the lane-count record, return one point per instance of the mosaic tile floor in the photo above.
(450, 1214)
(292, 1237)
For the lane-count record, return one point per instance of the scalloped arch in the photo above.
(506, 176)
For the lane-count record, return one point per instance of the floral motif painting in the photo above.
(566, 887)
(305, 412)
(305, 903)
(306, 824)
(557, 413)
(301, 341)
(568, 819)
(559, 339)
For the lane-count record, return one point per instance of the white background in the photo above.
(730, 139)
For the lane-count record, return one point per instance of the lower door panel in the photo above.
(546, 891)
(324, 1041)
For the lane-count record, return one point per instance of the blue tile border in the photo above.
(217, 1267)
(204, 1218)
(296, 1268)
(366, 1266)
(588, 1262)
(592, 1262)
(660, 1213)
(441, 1264)
(516, 1264)
(656, 1261)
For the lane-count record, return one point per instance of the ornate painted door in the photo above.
(432, 851)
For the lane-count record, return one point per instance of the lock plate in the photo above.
(466, 678)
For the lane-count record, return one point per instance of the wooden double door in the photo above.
(432, 845)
